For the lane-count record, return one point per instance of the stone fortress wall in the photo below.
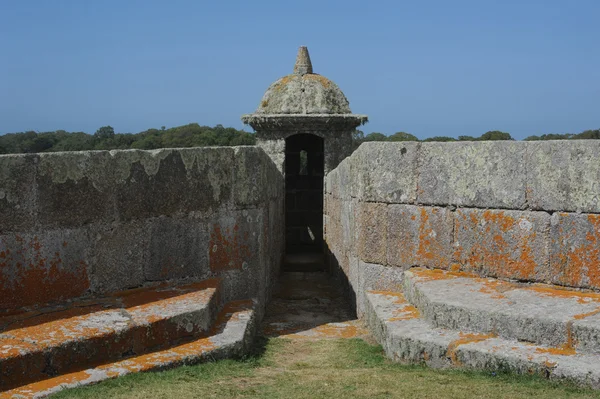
(527, 211)
(82, 224)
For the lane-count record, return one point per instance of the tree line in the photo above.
(359, 137)
(195, 135)
(105, 138)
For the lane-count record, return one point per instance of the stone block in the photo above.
(372, 232)
(564, 175)
(18, 207)
(172, 182)
(388, 171)
(178, 248)
(75, 188)
(473, 174)
(378, 278)
(43, 267)
(234, 240)
(575, 250)
(419, 235)
(119, 255)
(507, 244)
(249, 175)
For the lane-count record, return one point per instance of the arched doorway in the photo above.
(304, 171)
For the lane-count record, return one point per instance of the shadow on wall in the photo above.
(526, 211)
(91, 223)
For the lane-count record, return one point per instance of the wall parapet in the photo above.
(528, 211)
(83, 223)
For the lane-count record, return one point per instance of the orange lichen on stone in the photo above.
(496, 288)
(564, 350)
(439, 274)
(430, 249)
(44, 279)
(326, 83)
(465, 338)
(501, 244)
(407, 312)
(399, 297)
(228, 250)
(566, 292)
(577, 263)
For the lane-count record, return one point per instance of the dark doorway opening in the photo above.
(304, 171)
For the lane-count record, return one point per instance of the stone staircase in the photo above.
(42, 352)
(455, 319)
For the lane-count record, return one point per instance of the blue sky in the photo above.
(426, 67)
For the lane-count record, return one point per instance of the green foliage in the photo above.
(466, 138)
(495, 135)
(402, 136)
(588, 134)
(551, 136)
(375, 136)
(105, 138)
(440, 138)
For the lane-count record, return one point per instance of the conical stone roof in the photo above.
(303, 92)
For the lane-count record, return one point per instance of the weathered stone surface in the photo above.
(539, 314)
(388, 172)
(372, 236)
(119, 255)
(173, 182)
(419, 235)
(564, 176)
(75, 188)
(575, 250)
(42, 267)
(303, 94)
(376, 277)
(477, 174)
(249, 177)
(18, 196)
(234, 240)
(407, 337)
(509, 244)
(178, 248)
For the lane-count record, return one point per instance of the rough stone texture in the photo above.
(540, 314)
(473, 174)
(178, 249)
(249, 185)
(564, 176)
(372, 236)
(388, 172)
(81, 223)
(119, 253)
(18, 198)
(230, 337)
(74, 189)
(41, 267)
(407, 337)
(575, 250)
(174, 182)
(376, 277)
(508, 244)
(418, 235)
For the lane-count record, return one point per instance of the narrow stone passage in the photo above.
(310, 305)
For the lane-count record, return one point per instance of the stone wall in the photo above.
(80, 224)
(528, 211)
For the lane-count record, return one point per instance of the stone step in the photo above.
(230, 336)
(537, 313)
(407, 337)
(38, 345)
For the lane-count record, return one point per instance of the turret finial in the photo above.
(303, 64)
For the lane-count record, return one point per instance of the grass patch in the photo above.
(322, 369)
